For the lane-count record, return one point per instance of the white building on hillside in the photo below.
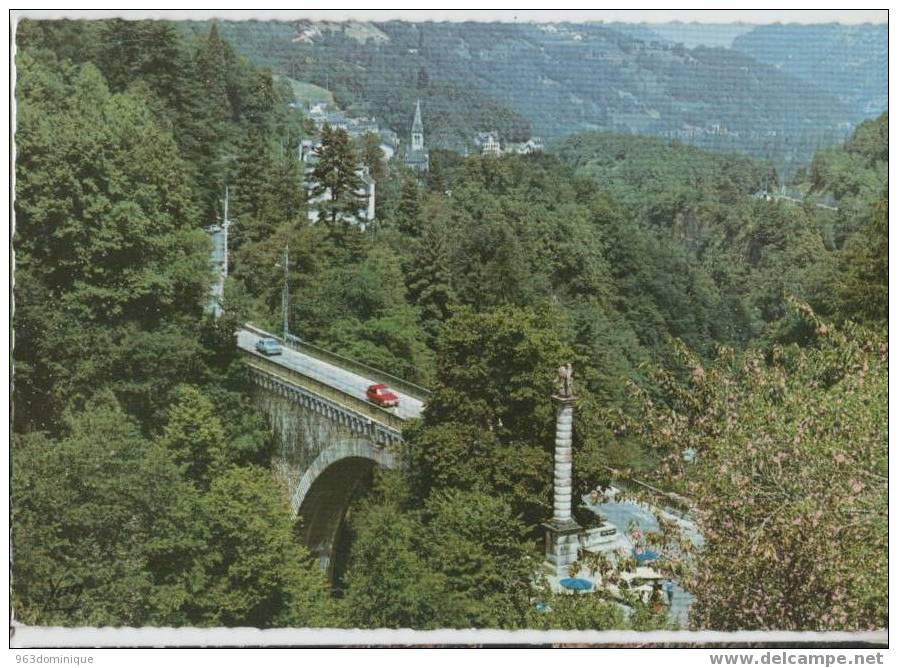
(488, 143)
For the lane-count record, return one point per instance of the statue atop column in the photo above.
(566, 381)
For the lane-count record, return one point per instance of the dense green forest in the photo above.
(142, 491)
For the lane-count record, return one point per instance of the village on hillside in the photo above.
(413, 153)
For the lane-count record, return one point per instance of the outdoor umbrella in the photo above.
(577, 584)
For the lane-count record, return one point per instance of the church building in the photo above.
(416, 156)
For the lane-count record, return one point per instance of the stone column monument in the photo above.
(562, 531)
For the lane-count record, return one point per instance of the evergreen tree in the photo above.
(864, 289)
(430, 274)
(367, 316)
(68, 40)
(153, 53)
(106, 242)
(372, 156)
(194, 436)
(490, 409)
(285, 196)
(409, 209)
(480, 547)
(250, 187)
(214, 66)
(336, 183)
(206, 120)
(498, 364)
(267, 189)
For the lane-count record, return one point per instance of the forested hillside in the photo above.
(370, 74)
(848, 61)
(696, 314)
(141, 493)
(553, 80)
(647, 264)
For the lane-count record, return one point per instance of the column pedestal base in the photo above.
(562, 546)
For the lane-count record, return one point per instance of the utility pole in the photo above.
(225, 225)
(219, 238)
(285, 294)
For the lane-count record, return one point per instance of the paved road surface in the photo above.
(324, 372)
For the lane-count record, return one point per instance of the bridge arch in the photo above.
(325, 491)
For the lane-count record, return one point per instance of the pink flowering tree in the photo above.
(789, 481)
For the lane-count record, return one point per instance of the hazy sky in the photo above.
(629, 16)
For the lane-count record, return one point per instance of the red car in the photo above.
(382, 396)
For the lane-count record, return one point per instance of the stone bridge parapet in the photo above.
(356, 415)
(329, 444)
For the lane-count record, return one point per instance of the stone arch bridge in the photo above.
(330, 436)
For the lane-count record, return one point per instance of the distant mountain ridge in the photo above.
(557, 79)
(689, 35)
(849, 61)
(568, 78)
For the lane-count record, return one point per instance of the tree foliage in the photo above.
(335, 182)
(140, 493)
(106, 531)
(258, 573)
(133, 504)
(790, 481)
(389, 584)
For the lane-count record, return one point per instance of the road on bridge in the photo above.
(330, 374)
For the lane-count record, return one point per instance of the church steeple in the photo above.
(416, 155)
(417, 129)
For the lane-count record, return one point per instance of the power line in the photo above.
(285, 294)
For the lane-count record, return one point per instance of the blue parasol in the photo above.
(577, 584)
